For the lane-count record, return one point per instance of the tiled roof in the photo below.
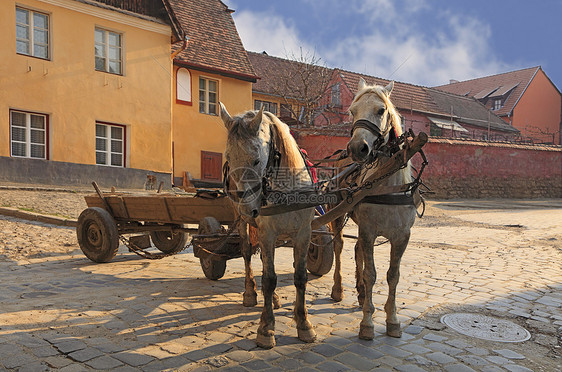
(214, 43)
(481, 87)
(404, 96)
(468, 110)
(152, 10)
(273, 72)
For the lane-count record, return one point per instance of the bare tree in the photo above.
(302, 83)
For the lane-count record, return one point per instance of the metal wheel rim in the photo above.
(94, 235)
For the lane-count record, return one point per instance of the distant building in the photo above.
(526, 99)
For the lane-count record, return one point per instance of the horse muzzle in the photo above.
(359, 150)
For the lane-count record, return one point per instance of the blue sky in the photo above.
(425, 42)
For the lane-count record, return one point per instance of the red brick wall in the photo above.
(466, 169)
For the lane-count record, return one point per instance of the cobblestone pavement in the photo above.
(496, 258)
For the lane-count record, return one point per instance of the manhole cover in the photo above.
(486, 327)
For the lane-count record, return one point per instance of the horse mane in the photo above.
(379, 91)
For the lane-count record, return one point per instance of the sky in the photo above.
(423, 42)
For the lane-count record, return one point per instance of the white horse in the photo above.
(374, 117)
(260, 147)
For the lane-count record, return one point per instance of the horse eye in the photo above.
(256, 162)
(381, 111)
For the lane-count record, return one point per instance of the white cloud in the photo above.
(394, 43)
(265, 32)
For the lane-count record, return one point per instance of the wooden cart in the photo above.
(164, 220)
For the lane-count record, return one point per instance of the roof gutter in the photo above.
(236, 75)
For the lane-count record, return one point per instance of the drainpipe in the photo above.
(184, 45)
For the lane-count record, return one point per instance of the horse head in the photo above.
(374, 116)
(247, 153)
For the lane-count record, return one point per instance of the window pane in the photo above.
(114, 67)
(100, 50)
(37, 137)
(117, 146)
(101, 158)
(114, 39)
(202, 84)
(40, 51)
(22, 47)
(22, 32)
(212, 108)
(202, 108)
(99, 36)
(100, 130)
(18, 149)
(212, 86)
(18, 134)
(100, 63)
(116, 133)
(22, 16)
(101, 144)
(40, 36)
(114, 53)
(38, 151)
(40, 21)
(116, 160)
(37, 122)
(18, 119)
(212, 98)
(201, 96)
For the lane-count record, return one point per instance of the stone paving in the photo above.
(66, 313)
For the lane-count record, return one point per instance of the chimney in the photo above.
(453, 81)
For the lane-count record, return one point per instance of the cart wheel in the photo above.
(212, 268)
(97, 234)
(168, 242)
(320, 253)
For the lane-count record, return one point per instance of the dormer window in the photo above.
(497, 104)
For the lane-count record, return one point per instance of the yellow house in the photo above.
(115, 90)
(211, 66)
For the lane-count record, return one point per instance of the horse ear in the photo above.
(256, 121)
(362, 84)
(225, 116)
(389, 87)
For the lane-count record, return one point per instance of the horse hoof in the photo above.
(337, 295)
(250, 300)
(265, 341)
(366, 332)
(306, 335)
(393, 330)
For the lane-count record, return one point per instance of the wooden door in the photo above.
(211, 166)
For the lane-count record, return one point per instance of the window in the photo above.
(286, 111)
(32, 33)
(497, 104)
(335, 97)
(28, 137)
(183, 86)
(267, 106)
(208, 96)
(108, 47)
(110, 144)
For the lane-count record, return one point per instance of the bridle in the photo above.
(261, 186)
(374, 129)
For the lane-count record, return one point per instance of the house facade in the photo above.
(526, 99)
(74, 82)
(209, 67)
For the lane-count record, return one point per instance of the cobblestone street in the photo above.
(500, 258)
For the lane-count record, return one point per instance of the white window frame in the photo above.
(28, 135)
(497, 104)
(106, 47)
(183, 86)
(335, 95)
(32, 43)
(107, 139)
(204, 95)
(267, 106)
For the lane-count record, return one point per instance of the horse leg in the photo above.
(305, 329)
(359, 284)
(369, 275)
(337, 228)
(250, 297)
(392, 277)
(266, 329)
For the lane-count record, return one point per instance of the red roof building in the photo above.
(526, 99)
